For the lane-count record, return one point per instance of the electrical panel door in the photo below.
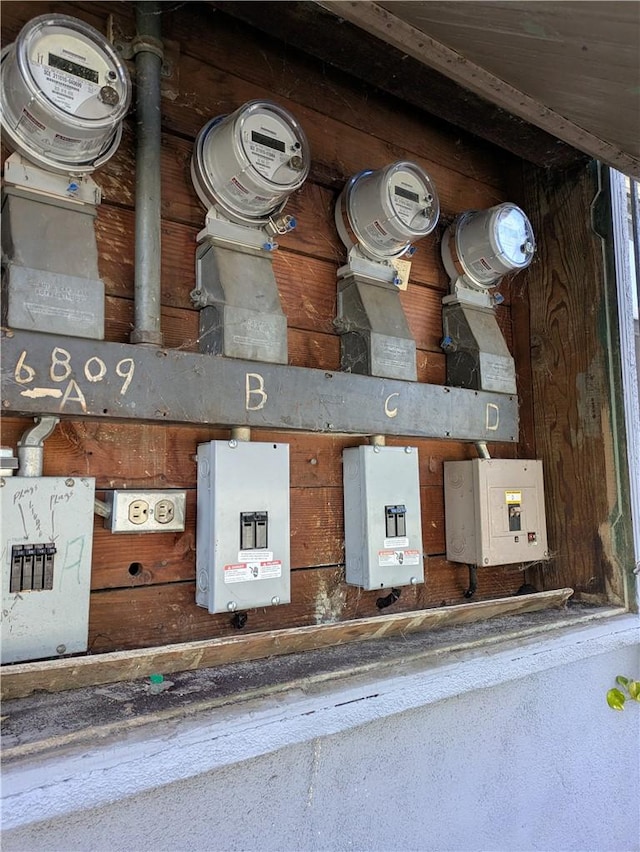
(494, 511)
(45, 548)
(382, 525)
(242, 557)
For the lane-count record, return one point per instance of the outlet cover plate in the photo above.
(119, 521)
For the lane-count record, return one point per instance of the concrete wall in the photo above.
(425, 759)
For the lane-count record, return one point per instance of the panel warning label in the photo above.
(388, 558)
(245, 572)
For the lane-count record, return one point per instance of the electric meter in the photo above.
(64, 92)
(384, 211)
(484, 245)
(248, 163)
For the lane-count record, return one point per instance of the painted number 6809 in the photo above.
(61, 370)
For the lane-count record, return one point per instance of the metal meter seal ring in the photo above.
(384, 211)
(64, 92)
(485, 245)
(246, 164)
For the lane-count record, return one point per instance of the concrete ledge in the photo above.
(54, 781)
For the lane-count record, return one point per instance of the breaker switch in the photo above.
(253, 530)
(31, 567)
(395, 521)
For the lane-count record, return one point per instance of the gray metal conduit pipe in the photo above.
(147, 47)
(31, 446)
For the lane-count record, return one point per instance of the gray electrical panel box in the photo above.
(494, 511)
(382, 526)
(242, 557)
(45, 549)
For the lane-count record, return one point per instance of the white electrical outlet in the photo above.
(145, 511)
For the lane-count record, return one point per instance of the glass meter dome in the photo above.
(64, 92)
(384, 211)
(485, 245)
(248, 163)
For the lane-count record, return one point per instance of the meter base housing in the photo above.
(45, 552)
(375, 339)
(240, 311)
(480, 359)
(242, 484)
(50, 279)
(378, 481)
(494, 511)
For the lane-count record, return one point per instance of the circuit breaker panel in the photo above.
(242, 557)
(494, 511)
(383, 531)
(45, 548)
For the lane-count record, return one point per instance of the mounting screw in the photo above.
(414, 581)
(69, 482)
(407, 450)
(232, 606)
(275, 600)
(233, 443)
(61, 649)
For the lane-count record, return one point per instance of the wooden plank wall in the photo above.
(143, 585)
(574, 382)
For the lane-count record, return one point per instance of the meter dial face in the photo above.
(75, 74)
(412, 201)
(273, 147)
(514, 236)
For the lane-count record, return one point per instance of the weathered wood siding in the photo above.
(143, 585)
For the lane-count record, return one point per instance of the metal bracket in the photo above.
(375, 339)
(168, 51)
(236, 292)
(477, 354)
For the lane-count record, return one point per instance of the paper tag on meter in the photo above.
(403, 268)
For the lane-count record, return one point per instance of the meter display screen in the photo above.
(270, 143)
(512, 233)
(410, 198)
(404, 193)
(261, 139)
(73, 68)
(69, 70)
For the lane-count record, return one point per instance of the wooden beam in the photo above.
(391, 29)
(22, 679)
(76, 377)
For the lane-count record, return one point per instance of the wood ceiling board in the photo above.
(599, 141)
(581, 59)
(307, 27)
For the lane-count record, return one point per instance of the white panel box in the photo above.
(242, 559)
(45, 552)
(382, 525)
(494, 511)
